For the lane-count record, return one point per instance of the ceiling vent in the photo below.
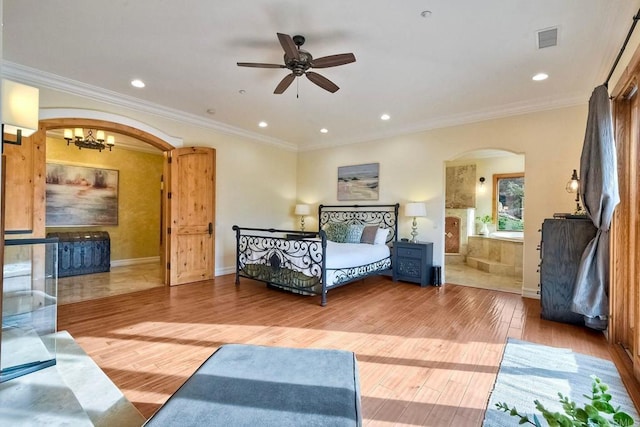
(547, 37)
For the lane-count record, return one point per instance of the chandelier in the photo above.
(96, 142)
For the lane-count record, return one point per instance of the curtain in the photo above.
(599, 193)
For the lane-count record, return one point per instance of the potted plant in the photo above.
(485, 220)
(599, 411)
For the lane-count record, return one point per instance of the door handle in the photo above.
(210, 228)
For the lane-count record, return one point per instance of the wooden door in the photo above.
(625, 229)
(191, 201)
(452, 235)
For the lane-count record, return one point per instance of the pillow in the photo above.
(354, 233)
(381, 236)
(336, 231)
(369, 234)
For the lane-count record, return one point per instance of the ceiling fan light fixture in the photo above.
(299, 61)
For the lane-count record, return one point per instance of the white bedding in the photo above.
(347, 255)
(339, 256)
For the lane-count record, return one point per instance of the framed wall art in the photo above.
(81, 196)
(358, 182)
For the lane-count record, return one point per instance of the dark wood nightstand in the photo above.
(412, 262)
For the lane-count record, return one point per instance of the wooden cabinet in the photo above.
(563, 241)
(412, 262)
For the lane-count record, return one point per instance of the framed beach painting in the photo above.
(358, 182)
(81, 196)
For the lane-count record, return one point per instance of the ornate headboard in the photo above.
(385, 216)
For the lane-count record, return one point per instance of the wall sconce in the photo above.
(573, 186)
(302, 210)
(482, 180)
(20, 105)
(415, 210)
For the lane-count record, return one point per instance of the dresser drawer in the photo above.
(409, 252)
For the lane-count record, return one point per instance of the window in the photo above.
(508, 201)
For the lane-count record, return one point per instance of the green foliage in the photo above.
(508, 223)
(486, 219)
(599, 412)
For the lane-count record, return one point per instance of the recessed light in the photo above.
(540, 76)
(137, 83)
(385, 117)
(425, 13)
(242, 91)
(324, 130)
(263, 124)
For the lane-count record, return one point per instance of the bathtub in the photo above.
(513, 236)
(501, 254)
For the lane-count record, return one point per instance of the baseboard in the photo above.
(530, 293)
(156, 259)
(225, 270)
(135, 261)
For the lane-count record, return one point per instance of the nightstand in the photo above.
(412, 262)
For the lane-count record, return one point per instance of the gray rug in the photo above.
(256, 386)
(532, 371)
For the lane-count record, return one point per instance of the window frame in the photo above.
(496, 178)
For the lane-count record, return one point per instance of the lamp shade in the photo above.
(303, 209)
(415, 209)
(20, 105)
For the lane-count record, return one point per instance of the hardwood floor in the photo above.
(427, 356)
(120, 280)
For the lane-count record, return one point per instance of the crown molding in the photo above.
(43, 79)
(504, 111)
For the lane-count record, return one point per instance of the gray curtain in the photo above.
(599, 193)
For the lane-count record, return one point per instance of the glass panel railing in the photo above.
(29, 306)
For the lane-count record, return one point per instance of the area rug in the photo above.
(257, 386)
(531, 371)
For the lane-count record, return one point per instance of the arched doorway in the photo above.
(189, 249)
(26, 189)
(488, 258)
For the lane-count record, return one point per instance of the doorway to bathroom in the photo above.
(484, 220)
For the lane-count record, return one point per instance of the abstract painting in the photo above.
(358, 182)
(80, 196)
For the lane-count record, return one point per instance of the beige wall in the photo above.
(412, 168)
(137, 234)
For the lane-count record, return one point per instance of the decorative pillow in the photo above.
(336, 231)
(369, 234)
(381, 236)
(354, 233)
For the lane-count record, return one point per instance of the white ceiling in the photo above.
(469, 60)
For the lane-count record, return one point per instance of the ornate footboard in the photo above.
(292, 260)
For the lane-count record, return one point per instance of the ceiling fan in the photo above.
(299, 61)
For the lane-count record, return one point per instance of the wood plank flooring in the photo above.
(427, 356)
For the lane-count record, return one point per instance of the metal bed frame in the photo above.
(296, 261)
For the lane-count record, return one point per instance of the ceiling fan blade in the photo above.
(290, 49)
(333, 60)
(259, 65)
(284, 83)
(321, 81)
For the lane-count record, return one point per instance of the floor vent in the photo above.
(547, 37)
